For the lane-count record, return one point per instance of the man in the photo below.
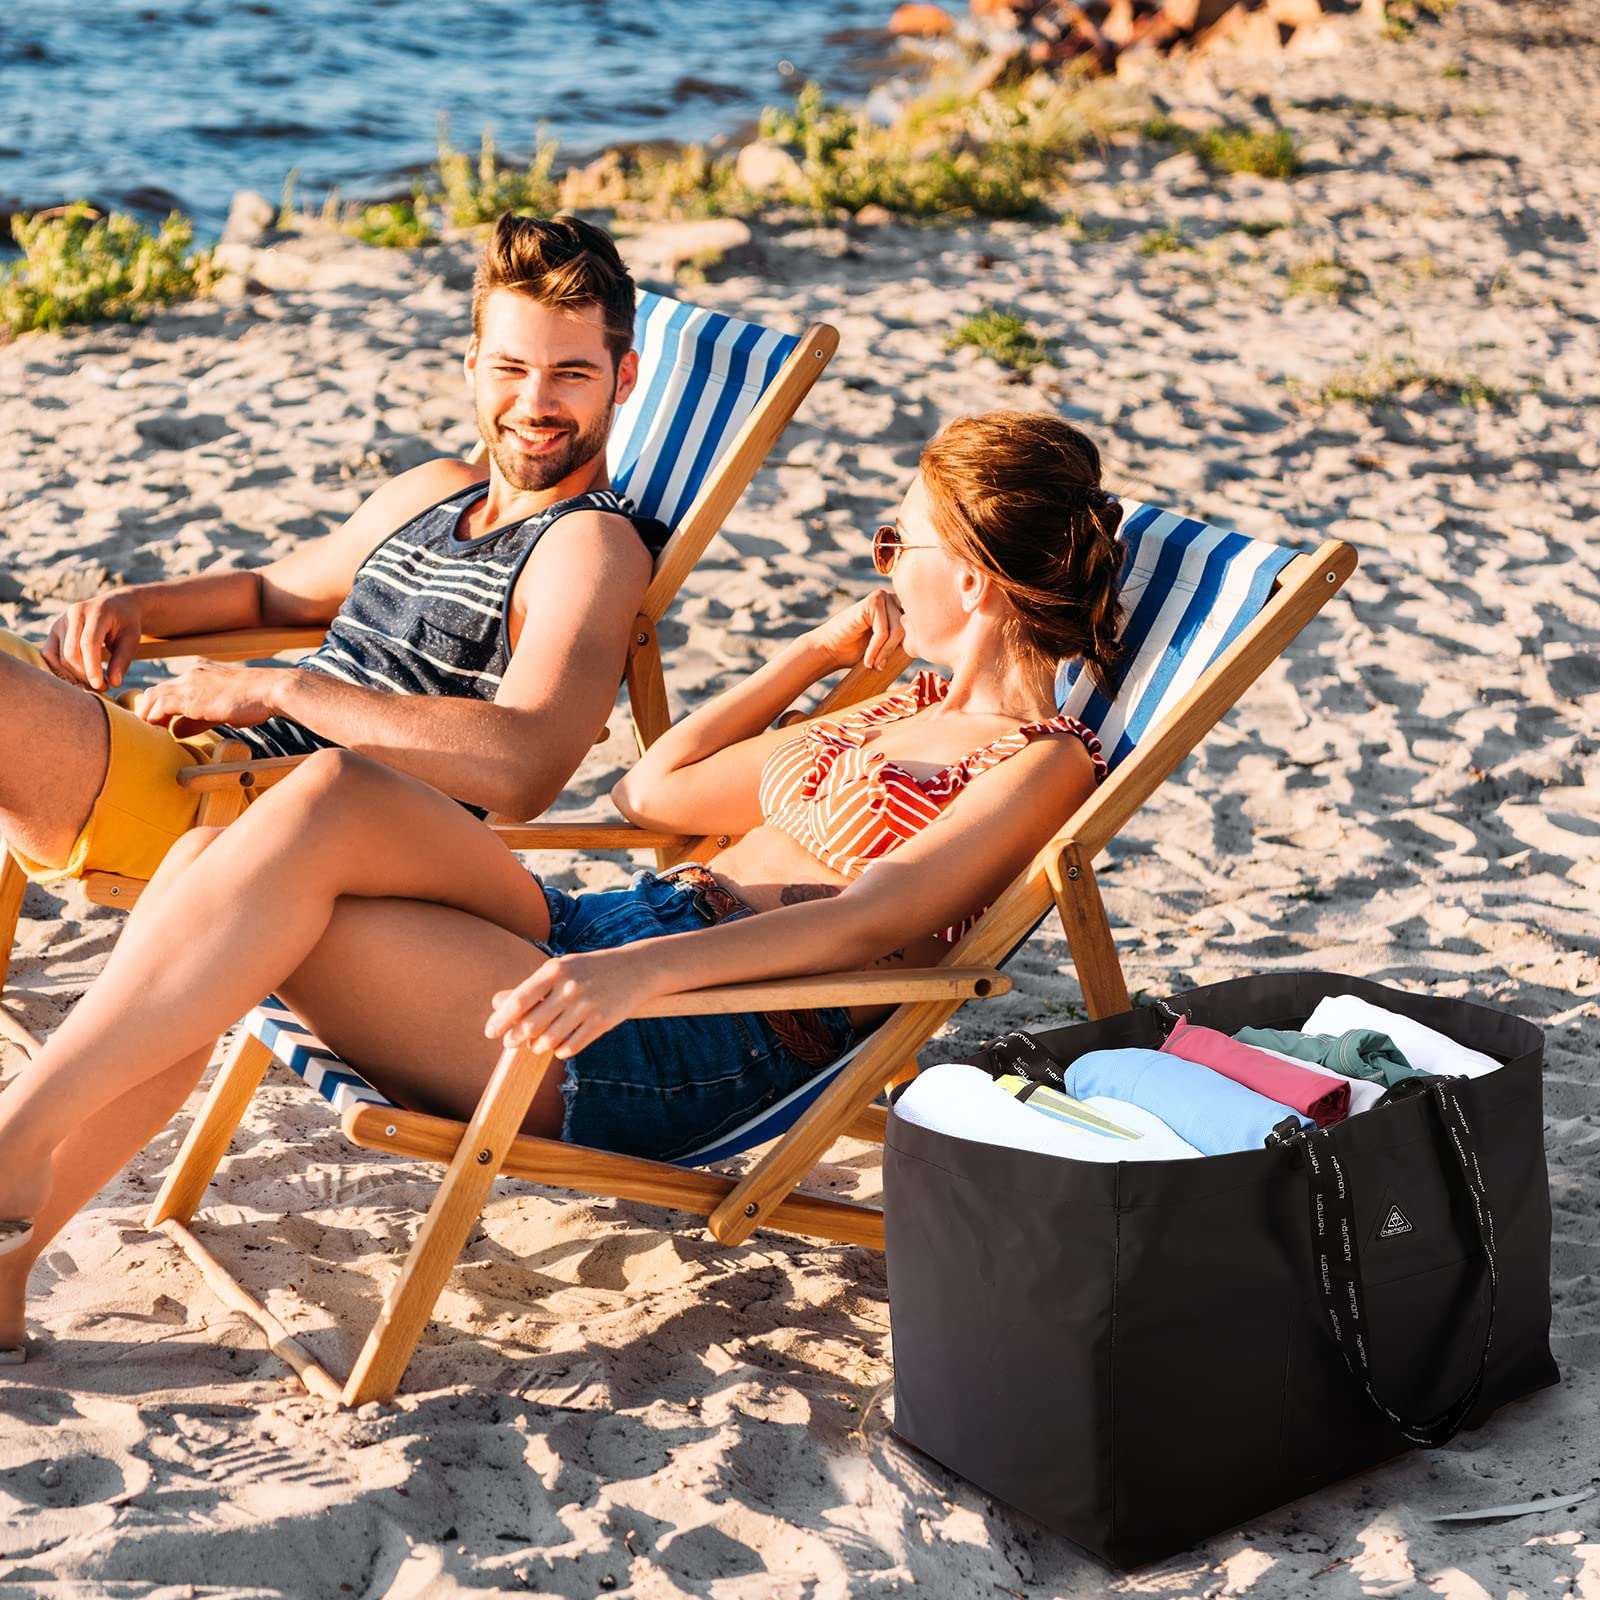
(478, 628)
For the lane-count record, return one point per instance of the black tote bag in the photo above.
(1142, 1354)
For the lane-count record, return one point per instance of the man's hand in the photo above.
(93, 641)
(214, 692)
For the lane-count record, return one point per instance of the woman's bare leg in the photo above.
(234, 924)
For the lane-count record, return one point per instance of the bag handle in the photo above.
(1336, 1262)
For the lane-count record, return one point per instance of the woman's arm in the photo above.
(702, 774)
(985, 838)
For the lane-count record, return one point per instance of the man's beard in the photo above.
(539, 472)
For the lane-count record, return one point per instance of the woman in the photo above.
(387, 917)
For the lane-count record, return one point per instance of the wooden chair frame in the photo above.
(474, 1152)
(231, 779)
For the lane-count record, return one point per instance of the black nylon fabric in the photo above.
(1138, 1354)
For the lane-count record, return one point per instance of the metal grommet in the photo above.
(389, 1132)
(1328, 577)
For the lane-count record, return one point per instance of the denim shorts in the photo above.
(664, 1086)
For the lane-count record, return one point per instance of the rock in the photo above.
(1249, 32)
(874, 216)
(251, 217)
(922, 21)
(767, 166)
(658, 253)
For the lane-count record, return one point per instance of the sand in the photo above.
(608, 1403)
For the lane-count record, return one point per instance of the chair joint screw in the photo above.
(389, 1132)
(247, 780)
(1073, 874)
(751, 1209)
(1328, 577)
(722, 841)
(638, 638)
(485, 1157)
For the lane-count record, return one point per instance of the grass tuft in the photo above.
(1004, 337)
(1390, 380)
(1163, 241)
(78, 267)
(1266, 152)
(1323, 278)
(473, 192)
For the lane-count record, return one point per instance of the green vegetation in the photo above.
(1004, 337)
(1323, 278)
(993, 155)
(394, 225)
(1266, 152)
(1400, 17)
(1074, 226)
(1392, 379)
(78, 266)
(1260, 229)
(1163, 241)
(471, 192)
(1453, 70)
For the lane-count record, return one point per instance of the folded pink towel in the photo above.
(1324, 1100)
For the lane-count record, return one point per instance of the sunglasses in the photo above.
(888, 542)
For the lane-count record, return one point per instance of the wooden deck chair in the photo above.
(1207, 611)
(712, 397)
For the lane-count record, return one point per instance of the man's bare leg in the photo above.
(240, 918)
(54, 746)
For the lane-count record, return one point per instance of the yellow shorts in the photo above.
(142, 808)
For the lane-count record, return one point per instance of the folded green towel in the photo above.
(1360, 1053)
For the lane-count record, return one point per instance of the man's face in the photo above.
(543, 387)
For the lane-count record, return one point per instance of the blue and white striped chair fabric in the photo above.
(305, 1055)
(1189, 589)
(700, 375)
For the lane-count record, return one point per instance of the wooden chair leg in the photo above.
(13, 886)
(1088, 931)
(207, 1142)
(450, 1219)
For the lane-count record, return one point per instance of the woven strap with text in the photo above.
(1336, 1260)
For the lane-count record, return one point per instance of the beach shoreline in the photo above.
(1396, 348)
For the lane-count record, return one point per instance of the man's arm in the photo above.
(577, 599)
(93, 641)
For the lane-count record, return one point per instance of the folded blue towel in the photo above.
(1213, 1113)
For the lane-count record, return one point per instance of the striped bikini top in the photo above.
(429, 613)
(849, 805)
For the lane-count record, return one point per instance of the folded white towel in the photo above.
(1425, 1048)
(1363, 1094)
(965, 1101)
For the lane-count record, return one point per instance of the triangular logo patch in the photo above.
(1394, 1224)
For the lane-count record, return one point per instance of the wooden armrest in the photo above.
(237, 644)
(259, 774)
(835, 989)
(585, 836)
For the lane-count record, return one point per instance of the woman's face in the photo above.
(927, 581)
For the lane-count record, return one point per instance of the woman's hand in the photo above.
(869, 632)
(566, 1003)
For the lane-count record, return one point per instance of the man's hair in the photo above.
(562, 262)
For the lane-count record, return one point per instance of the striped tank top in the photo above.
(429, 613)
(848, 804)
